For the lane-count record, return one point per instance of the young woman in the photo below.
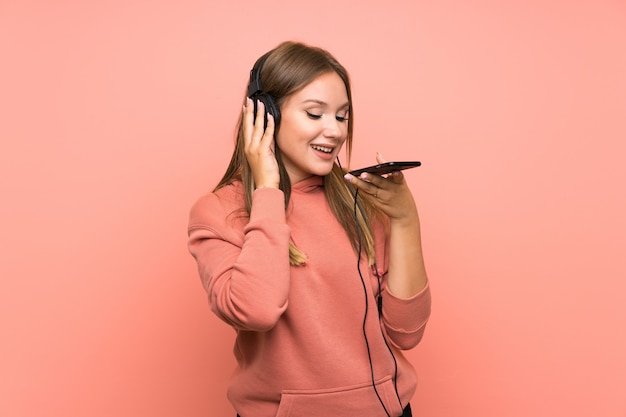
(320, 273)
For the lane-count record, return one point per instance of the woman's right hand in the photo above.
(259, 145)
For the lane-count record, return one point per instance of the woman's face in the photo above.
(313, 127)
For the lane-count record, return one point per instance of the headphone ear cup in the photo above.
(271, 107)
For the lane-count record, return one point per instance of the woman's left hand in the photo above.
(389, 193)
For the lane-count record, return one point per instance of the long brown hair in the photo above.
(287, 69)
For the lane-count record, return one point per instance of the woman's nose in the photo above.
(332, 127)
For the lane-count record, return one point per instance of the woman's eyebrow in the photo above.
(323, 103)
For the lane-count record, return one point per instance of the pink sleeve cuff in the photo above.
(268, 204)
(406, 315)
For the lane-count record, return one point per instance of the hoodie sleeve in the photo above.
(243, 264)
(404, 320)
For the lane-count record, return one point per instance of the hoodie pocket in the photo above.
(354, 400)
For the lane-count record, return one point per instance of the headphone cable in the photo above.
(358, 266)
(379, 300)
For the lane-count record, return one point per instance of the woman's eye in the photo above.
(341, 118)
(314, 116)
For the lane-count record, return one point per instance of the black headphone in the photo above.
(255, 92)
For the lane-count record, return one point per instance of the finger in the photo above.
(397, 177)
(259, 122)
(379, 158)
(375, 180)
(268, 135)
(248, 122)
(365, 182)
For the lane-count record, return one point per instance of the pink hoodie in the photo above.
(300, 344)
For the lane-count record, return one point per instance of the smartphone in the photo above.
(386, 168)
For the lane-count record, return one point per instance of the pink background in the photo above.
(115, 116)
